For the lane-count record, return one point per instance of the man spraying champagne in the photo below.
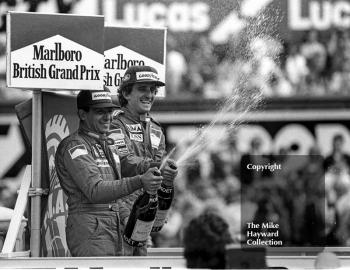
(139, 138)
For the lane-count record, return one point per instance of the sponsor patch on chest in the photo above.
(155, 137)
(136, 137)
(119, 143)
(122, 151)
(100, 150)
(134, 128)
(102, 162)
(116, 134)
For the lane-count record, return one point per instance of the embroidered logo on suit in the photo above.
(155, 137)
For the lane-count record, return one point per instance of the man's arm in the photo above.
(83, 171)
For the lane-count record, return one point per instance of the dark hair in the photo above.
(85, 108)
(204, 241)
(127, 90)
(338, 136)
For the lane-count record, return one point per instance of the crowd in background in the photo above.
(308, 198)
(313, 66)
(216, 180)
(317, 65)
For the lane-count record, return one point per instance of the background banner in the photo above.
(59, 120)
(126, 46)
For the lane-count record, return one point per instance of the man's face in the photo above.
(141, 97)
(97, 120)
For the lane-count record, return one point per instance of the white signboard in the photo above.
(126, 46)
(59, 56)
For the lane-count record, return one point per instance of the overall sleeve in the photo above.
(75, 163)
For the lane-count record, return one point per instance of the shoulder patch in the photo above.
(77, 151)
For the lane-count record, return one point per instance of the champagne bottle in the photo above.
(141, 219)
(165, 198)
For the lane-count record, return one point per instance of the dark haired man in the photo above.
(205, 239)
(89, 173)
(141, 143)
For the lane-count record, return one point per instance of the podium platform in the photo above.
(169, 258)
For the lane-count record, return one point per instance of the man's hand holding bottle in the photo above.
(151, 180)
(169, 172)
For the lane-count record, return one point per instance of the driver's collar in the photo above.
(138, 117)
(94, 135)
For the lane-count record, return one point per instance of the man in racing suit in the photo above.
(88, 169)
(142, 142)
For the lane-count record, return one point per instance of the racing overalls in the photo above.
(140, 144)
(88, 171)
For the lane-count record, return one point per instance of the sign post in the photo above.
(36, 174)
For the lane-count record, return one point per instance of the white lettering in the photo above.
(102, 95)
(318, 15)
(146, 75)
(295, 19)
(177, 16)
(200, 15)
(341, 14)
(156, 15)
(321, 15)
(303, 138)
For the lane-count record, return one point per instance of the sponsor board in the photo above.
(58, 56)
(220, 19)
(126, 46)
(274, 135)
(59, 120)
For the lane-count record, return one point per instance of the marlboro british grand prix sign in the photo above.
(55, 51)
(127, 46)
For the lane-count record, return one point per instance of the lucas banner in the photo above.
(221, 18)
(59, 120)
(126, 46)
(54, 51)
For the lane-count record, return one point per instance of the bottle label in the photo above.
(141, 230)
(153, 199)
(133, 243)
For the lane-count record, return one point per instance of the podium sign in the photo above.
(54, 51)
(125, 46)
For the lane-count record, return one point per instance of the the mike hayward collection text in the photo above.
(264, 234)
